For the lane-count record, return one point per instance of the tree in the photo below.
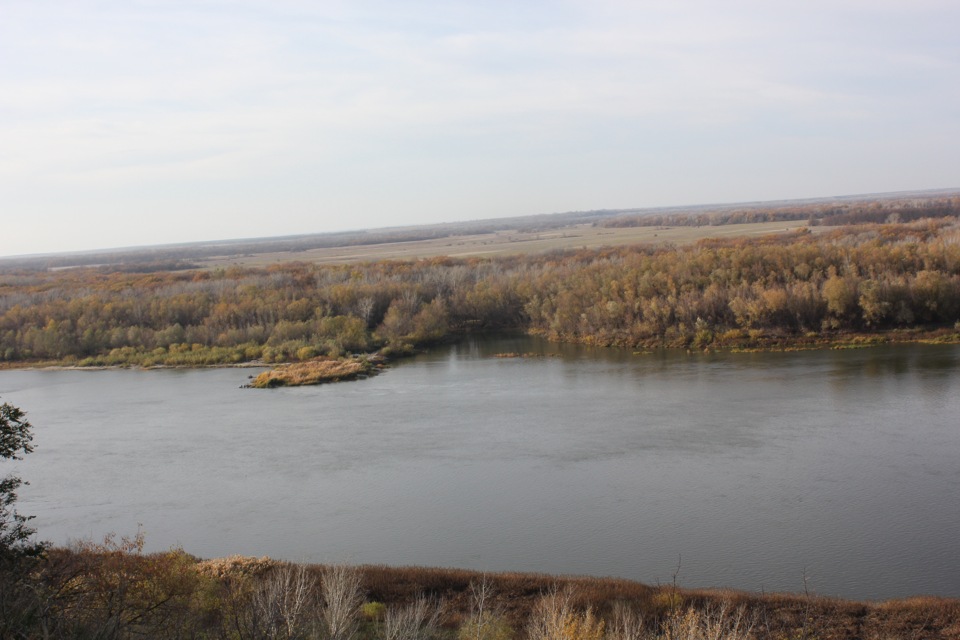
(15, 535)
(20, 609)
(342, 594)
(418, 620)
(487, 619)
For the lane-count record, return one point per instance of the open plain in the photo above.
(508, 242)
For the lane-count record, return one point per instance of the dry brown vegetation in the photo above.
(113, 590)
(510, 243)
(314, 372)
(859, 284)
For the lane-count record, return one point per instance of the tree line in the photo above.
(828, 214)
(717, 293)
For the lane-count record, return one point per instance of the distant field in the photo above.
(530, 234)
(507, 243)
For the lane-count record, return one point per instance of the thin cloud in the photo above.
(549, 105)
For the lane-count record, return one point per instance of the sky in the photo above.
(138, 122)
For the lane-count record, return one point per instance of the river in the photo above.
(834, 471)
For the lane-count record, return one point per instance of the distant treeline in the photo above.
(730, 293)
(170, 257)
(878, 208)
(827, 214)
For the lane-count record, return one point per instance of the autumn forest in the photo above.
(871, 281)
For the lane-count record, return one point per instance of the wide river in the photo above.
(834, 470)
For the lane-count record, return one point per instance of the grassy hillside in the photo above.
(111, 590)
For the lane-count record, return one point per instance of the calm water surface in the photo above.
(753, 469)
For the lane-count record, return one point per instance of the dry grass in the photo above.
(236, 566)
(287, 601)
(506, 243)
(313, 372)
(774, 616)
(517, 592)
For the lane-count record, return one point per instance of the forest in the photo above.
(828, 213)
(826, 285)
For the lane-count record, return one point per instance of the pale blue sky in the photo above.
(143, 122)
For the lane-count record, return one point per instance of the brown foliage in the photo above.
(312, 372)
(735, 293)
(113, 590)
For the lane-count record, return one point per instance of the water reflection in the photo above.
(901, 370)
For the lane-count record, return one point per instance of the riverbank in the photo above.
(292, 372)
(172, 594)
(775, 615)
(740, 341)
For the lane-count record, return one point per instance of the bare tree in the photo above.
(555, 618)
(626, 623)
(550, 614)
(282, 602)
(415, 621)
(340, 587)
(486, 620)
(365, 307)
(715, 622)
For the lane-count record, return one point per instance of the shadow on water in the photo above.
(934, 365)
(896, 360)
(926, 369)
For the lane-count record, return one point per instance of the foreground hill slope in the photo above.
(113, 590)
